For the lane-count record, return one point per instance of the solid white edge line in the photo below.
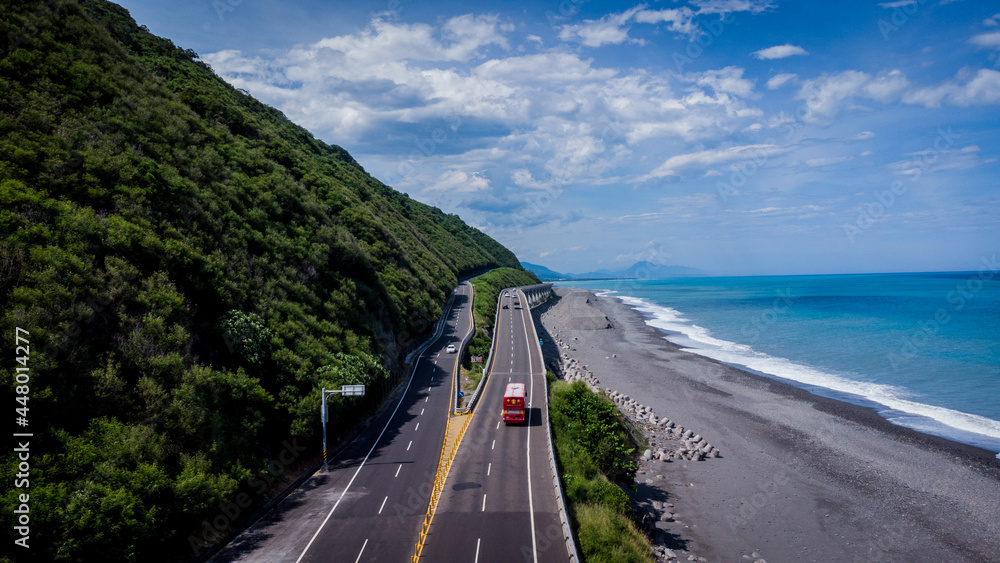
(374, 445)
(531, 505)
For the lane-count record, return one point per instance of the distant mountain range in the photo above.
(639, 270)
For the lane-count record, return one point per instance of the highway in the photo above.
(498, 503)
(370, 505)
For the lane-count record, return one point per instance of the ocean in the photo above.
(923, 349)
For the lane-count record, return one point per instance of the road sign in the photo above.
(353, 390)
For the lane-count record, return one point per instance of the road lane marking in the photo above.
(383, 505)
(408, 445)
(360, 467)
(397, 470)
(490, 466)
(428, 389)
(417, 428)
(425, 399)
(477, 549)
(484, 502)
(498, 425)
(421, 412)
(362, 551)
(493, 447)
(531, 505)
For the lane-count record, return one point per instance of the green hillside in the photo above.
(191, 268)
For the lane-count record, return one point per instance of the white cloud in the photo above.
(897, 4)
(593, 33)
(862, 136)
(825, 95)
(779, 52)
(731, 6)
(612, 29)
(681, 20)
(780, 80)
(992, 21)
(988, 40)
(929, 161)
(727, 80)
(815, 162)
(457, 181)
(703, 159)
(982, 89)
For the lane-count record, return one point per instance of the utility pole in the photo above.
(324, 413)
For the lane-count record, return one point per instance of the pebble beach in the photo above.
(741, 467)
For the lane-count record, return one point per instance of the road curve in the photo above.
(498, 503)
(370, 505)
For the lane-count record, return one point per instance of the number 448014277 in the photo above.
(23, 376)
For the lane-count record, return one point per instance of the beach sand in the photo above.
(800, 477)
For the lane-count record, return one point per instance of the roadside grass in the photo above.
(595, 453)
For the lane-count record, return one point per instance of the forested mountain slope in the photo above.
(191, 268)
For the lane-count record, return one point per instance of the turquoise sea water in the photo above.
(923, 349)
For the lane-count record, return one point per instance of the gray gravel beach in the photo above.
(776, 473)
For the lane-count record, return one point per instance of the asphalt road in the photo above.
(370, 505)
(498, 503)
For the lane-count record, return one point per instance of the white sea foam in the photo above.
(898, 408)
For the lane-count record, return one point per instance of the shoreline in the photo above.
(801, 476)
(928, 425)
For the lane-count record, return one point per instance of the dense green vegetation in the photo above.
(596, 458)
(192, 268)
(488, 287)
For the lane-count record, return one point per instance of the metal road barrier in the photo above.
(444, 466)
(488, 366)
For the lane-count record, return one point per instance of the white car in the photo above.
(451, 349)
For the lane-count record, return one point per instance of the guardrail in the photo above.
(444, 466)
(488, 366)
(574, 555)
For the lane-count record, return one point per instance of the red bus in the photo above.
(513, 403)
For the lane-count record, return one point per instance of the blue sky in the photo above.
(740, 137)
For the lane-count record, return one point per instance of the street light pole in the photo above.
(324, 413)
